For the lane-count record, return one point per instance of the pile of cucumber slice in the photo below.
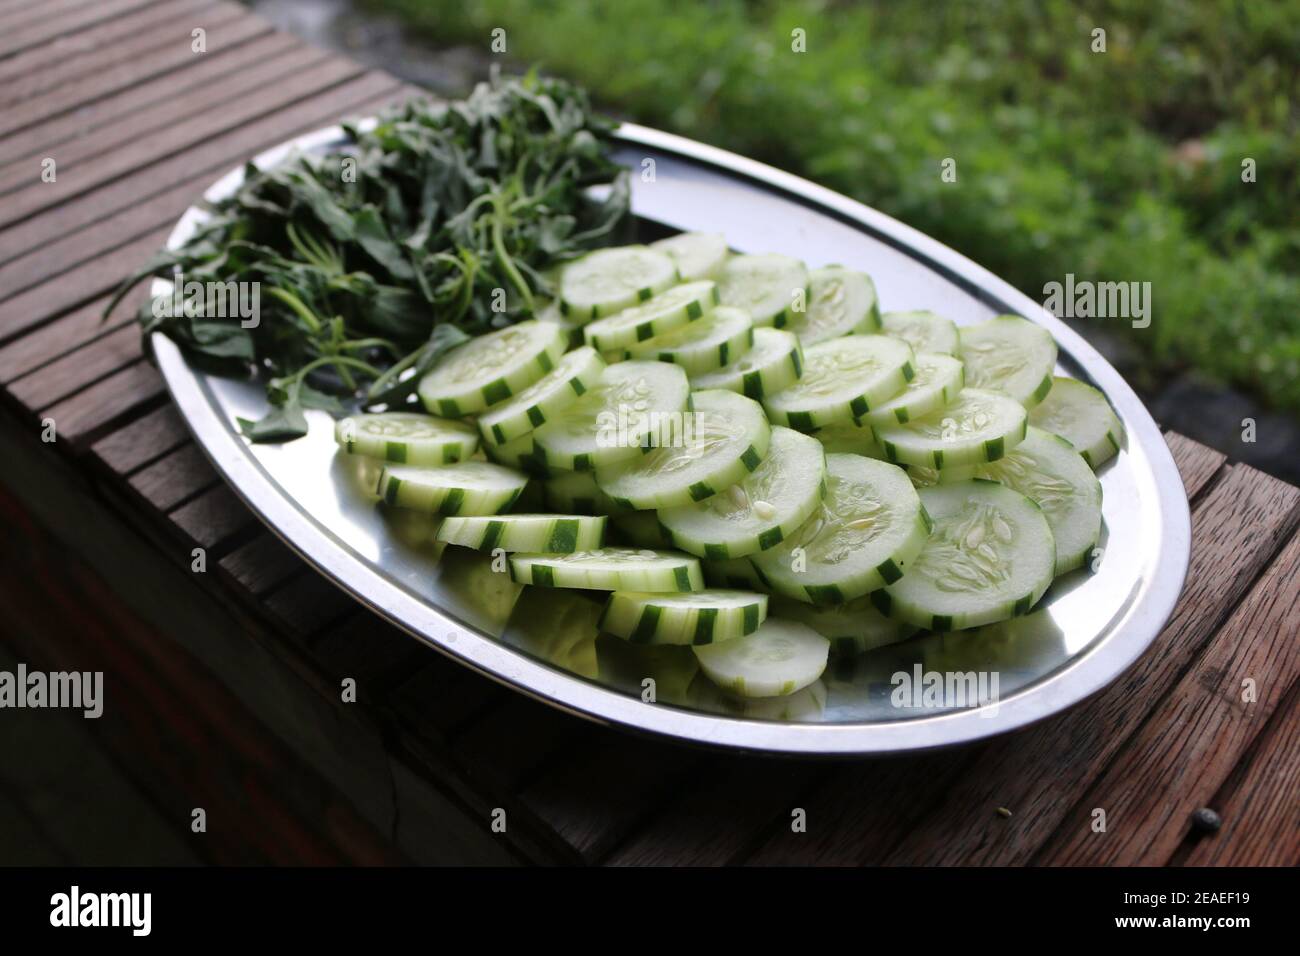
(722, 436)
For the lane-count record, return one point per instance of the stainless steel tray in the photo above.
(1088, 630)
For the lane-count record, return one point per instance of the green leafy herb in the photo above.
(373, 260)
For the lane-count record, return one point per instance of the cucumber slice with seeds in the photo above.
(774, 361)
(1081, 415)
(843, 379)
(406, 438)
(924, 331)
(465, 488)
(577, 492)
(573, 376)
(610, 569)
(697, 255)
(765, 286)
(1010, 355)
(707, 345)
(670, 309)
(990, 557)
(1046, 468)
(761, 510)
(852, 628)
(701, 617)
(937, 381)
(724, 439)
(609, 280)
(550, 533)
(979, 426)
(840, 301)
(865, 535)
(779, 658)
(490, 368)
(623, 411)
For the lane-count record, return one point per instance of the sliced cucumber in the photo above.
(465, 488)
(938, 380)
(707, 345)
(701, 617)
(573, 376)
(639, 529)
(1081, 415)
(1010, 355)
(490, 368)
(991, 557)
(623, 411)
(670, 309)
(517, 453)
(723, 440)
(773, 362)
(738, 573)
(867, 532)
(697, 255)
(761, 510)
(779, 658)
(577, 492)
(572, 325)
(843, 379)
(1046, 468)
(924, 331)
(766, 286)
(849, 438)
(840, 301)
(553, 534)
(610, 569)
(608, 280)
(852, 628)
(979, 426)
(406, 438)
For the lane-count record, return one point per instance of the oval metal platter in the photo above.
(1090, 627)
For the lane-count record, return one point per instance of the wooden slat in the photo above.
(78, 369)
(147, 438)
(85, 416)
(261, 564)
(218, 153)
(442, 697)
(369, 650)
(1186, 749)
(154, 52)
(75, 329)
(175, 478)
(307, 603)
(1260, 805)
(1038, 772)
(1196, 463)
(27, 13)
(716, 823)
(46, 28)
(600, 792)
(81, 178)
(212, 519)
(214, 67)
(68, 57)
(249, 66)
(512, 742)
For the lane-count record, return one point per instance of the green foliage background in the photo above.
(1123, 165)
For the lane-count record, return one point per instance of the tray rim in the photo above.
(1079, 678)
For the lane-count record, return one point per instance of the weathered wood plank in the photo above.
(46, 28)
(1188, 746)
(442, 697)
(262, 564)
(1039, 772)
(504, 748)
(27, 13)
(212, 519)
(1196, 463)
(47, 343)
(1260, 804)
(252, 70)
(367, 649)
(86, 176)
(153, 52)
(147, 438)
(85, 416)
(175, 478)
(307, 603)
(78, 369)
(362, 95)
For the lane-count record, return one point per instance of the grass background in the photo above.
(1117, 166)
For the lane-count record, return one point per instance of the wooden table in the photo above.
(226, 681)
